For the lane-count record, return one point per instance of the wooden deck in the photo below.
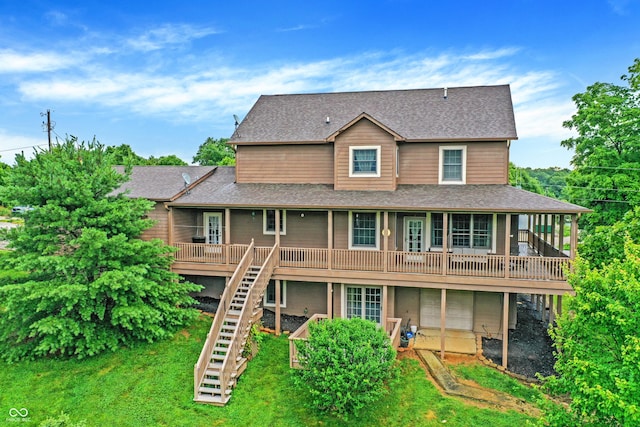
(531, 268)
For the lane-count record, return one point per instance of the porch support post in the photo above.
(505, 328)
(546, 233)
(534, 239)
(277, 214)
(507, 245)
(385, 242)
(445, 241)
(574, 235)
(330, 300)
(544, 309)
(559, 309)
(553, 230)
(551, 313)
(443, 318)
(170, 220)
(277, 285)
(385, 307)
(227, 234)
(329, 238)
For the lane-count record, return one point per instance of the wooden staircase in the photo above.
(221, 361)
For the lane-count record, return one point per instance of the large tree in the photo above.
(214, 152)
(91, 283)
(598, 345)
(606, 160)
(520, 177)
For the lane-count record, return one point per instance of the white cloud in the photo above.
(197, 91)
(16, 62)
(167, 35)
(11, 144)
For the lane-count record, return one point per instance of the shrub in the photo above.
(345, 364)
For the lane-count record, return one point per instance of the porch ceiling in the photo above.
(220, 190)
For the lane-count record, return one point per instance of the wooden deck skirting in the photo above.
(535, 268)
(392, 326)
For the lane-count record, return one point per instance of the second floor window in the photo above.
(452, 165)
(364, 161)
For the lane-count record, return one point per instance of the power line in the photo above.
(21, 148)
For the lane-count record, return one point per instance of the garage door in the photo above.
(459, 309)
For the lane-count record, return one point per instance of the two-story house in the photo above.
(386, 205)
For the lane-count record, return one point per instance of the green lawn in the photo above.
(152, 385)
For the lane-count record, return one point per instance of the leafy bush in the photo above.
(63, 420)
(345, 364)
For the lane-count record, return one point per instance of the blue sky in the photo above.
(163, 76)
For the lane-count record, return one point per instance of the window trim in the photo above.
(283, 295)
(363, 288)
(375, 174)
(377, 234)
(283, 222)
(444, 148)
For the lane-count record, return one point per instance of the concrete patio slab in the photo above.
(455, 341)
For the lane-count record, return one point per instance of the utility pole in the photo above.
(49, 125)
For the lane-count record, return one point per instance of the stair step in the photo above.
(215, 400)
(218, 356)
(233, 313)
(214, 391)
(226, 334)
(223, 342)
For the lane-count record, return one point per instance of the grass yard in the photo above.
(152, 385)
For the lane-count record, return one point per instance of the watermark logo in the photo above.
(17, 415)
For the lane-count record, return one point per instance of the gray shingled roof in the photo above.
(467, 113)
(160, 183)
(220, 190)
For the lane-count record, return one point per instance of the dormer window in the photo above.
(364, 161)
(453, 164)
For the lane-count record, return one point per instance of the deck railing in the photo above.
(392, 327)
(520, 267)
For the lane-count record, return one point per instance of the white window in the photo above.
(363, 230)
(465, 230)
(269, 299)
(453, 165)
(269, 221)
(213, 227)
(364, 161)
(364, 302)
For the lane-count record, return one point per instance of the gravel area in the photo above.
(530, 347)
(287, 322)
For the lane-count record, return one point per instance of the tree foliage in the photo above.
(123, 155)
(606, 243)
(91, 284)
(345, 364)
(598, 343)
(606, 160)
(214, 152)
(520, 177)
(553, 180)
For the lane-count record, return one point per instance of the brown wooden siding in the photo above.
(285, 164)
(160, 229)
(487, 163)
(487, 314)
(418, 163)
(407, 304)
(301, 295)
(365, 133)
(308, 231)
(247, 225)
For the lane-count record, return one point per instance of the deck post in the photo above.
(385, 243)
(551, 313)
(329, 239)
(443, 319)
(385, 308)
(544, 309)
(170, 220)
(507, 245)
(505, 328)
(553, 230)
(329, 300)
(574, 235)
(559, 309)
(277, 285)
(277, 228)
(533, 232)
(445, 241)
(546, 234)
(227, 235)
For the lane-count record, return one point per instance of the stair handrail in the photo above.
(200, 368)
(255, 292)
